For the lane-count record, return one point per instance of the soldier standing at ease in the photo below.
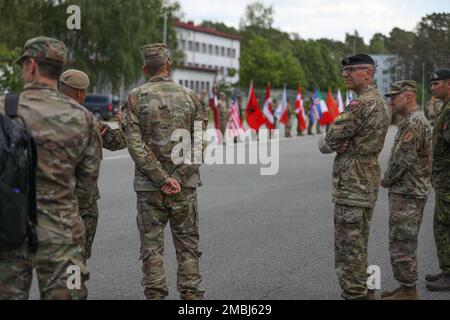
(408, 178)
(74, 84)
(224, 114)
(166, 192)
(356, 174)
(440, 87)
(290, 113)
(69, 154)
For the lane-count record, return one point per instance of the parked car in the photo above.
(103, 107)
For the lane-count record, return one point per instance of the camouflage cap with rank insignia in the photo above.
(402, 86)
(443, 74)
(44, 48)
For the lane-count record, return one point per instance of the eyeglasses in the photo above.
(353, 69)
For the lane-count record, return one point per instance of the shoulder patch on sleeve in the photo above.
(355, 103)
(408, 136)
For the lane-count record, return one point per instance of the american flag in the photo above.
(235, 125)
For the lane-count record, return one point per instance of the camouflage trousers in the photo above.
(51, 264)
(352, 228)
(288, 130)
(405, 220)
(155, 210)
(442, 233)
(90, 219)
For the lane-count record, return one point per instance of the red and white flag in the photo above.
(300, 110)
(282, 111)
(235, 126)
(268, 110)
(214, 105)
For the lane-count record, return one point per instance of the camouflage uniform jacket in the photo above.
(356, 173)
(112, 140)
(441, 152)
(153, 112)
(69, 155)
(409, 170)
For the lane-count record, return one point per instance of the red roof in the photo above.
(191, 26)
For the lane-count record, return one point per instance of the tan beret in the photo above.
(75, 79)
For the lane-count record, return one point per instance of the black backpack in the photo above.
(18, 162)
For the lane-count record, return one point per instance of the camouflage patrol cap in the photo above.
(402, 86)
(153, 50)
(45, 48)
(75, 79)
(443, 74)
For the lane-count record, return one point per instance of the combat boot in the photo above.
(442, 284)
(386, 294)
(404, 293)
(433, 277)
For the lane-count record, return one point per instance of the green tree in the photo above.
(432, 43)
(401, 42)
(9, 73)
(378, 44)
(108, 45)
(354, 43)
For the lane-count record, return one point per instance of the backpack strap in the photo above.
(11, 104)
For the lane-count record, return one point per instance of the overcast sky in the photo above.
(313, 19)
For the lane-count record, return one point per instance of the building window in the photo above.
(190, 45)
(217, 50)
(229, 52)
(186, 83)
(192, 85)
(203, 85)
(210, 47)
(222, 52)
(183, 44)
(204, 47)
(233, 53)
(180, 82)
(207, 86)
(197, 47)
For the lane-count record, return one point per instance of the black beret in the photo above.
(359, 58)
(442, 74)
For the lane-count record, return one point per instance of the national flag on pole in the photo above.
(255, 118)
(313, 112)
(282, 110)
(235, 124)
(300, 110)
(214, 105)
(332, 107)
(321, 106)
(349, 98)
(340, 102)
(268, 110)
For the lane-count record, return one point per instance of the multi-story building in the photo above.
(209, 56)
(387, 71)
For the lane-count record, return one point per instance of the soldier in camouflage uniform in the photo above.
(224, 114)
(166, 192)
(440, 87)
(290, 113)
(69, 154)
(408, 178)
(356, 174)
(74, 83)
